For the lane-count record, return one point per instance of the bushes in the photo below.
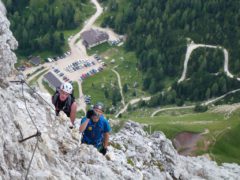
(200, 108)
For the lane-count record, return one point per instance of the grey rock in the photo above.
(7, 44)
(134, 153)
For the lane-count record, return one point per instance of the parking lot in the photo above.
(77, 70)
(56, 58)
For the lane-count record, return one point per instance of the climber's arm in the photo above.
(73, 112)
(106, 140)
(84, 124)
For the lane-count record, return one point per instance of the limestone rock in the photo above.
(133, 154)
(7, 44)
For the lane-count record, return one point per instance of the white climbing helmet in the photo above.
(67, 87)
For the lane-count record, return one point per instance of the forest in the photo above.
(38, 25)
(158, 31)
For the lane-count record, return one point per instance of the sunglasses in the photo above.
(64, 93)
(96, 114)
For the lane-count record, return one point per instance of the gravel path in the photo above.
(192, 46)
(120, 85)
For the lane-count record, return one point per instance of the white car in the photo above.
(49, 59)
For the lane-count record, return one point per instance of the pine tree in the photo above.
(125, 88)
(214, 89)
(208, 93)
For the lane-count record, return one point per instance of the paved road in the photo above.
(78, 51)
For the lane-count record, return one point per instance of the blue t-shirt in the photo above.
(94, 132)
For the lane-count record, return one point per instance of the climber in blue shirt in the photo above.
(96, 129)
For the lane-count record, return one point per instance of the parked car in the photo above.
(49, 59)
(66, 80)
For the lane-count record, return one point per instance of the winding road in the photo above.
(133, 101)
(79, 47)
(171, 108)
(192, 46)
(78, 51)
(189, 107)
(120, 85)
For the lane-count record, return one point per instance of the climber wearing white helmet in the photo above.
(64, 100)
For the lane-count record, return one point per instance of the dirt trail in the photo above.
(204, 103)
(192, 46)
(133, 101)
(120, 85)
(172, 108)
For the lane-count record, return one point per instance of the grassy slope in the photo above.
(34, 80)
(93, 86)
(47, 87)
(129, 74)
(171, 125)
(226, 148)
(126, 67)
(99, 49)
(76, 89)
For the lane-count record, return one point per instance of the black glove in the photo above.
(103, 151)
(90, 113)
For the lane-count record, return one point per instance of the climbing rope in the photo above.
(37, 134)
(24, 82)
(30, 162)
(28, 110)
(38, 94)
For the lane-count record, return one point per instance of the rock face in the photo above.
(133, 154)
(7, 44)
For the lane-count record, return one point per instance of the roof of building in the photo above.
(94, 36)
(52, 79)
(35, 60)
